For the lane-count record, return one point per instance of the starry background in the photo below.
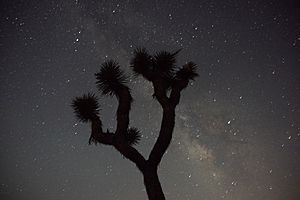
(237, 127)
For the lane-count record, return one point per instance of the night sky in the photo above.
(237, 132)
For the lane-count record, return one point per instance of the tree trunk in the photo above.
(152, 184)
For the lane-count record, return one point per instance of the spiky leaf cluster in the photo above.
(165, 62)
(161, 65)
(141, 63)
(133, 136)
(110, 79)
(86, 107)
(187, 72)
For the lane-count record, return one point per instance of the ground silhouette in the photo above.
(168, 81)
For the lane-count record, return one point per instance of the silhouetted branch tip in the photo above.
(86, 108)
(187, 72)
(92, 140)
(164, 62)
(111, 79)
(133, 136)
(141, 63)
(98, 136)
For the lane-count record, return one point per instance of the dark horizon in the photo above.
(237, 128)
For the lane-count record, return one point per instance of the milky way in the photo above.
(237, 126)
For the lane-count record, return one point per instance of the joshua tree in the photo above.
(168, 82)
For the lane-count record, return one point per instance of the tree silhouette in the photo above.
(168, 82)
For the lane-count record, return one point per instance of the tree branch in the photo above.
(118, 139)
(130, 153)
(124, 99)
(177, 87)
(108, 138)
(168, 120)
(160, 92)
(98, 136)
(167, 124)
(165, 136)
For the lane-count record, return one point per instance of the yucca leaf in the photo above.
(110, 79)
(165, 62)
(187, 72)
(86, 107)
(141, 63)
(133, 136)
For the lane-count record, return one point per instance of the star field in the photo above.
(237, 126)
